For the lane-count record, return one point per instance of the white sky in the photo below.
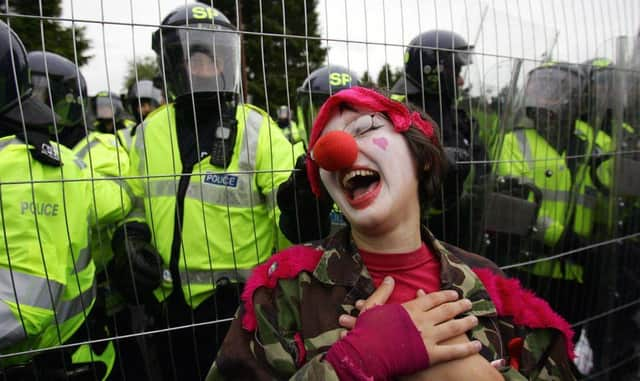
(377, 29)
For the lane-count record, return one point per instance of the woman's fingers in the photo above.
(499, 363)
(447, 352)
(379, 296)
(424, 302)
(448, 311)
(453, 328)
(347, 321)
(443, 335)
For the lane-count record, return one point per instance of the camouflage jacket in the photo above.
(289, 317)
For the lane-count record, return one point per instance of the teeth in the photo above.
(357, 172)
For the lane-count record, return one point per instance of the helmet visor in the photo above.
(108, 108)
(601, 92)
(632, 107)
(283, 113)
(14, 71)
(65, 97)
(464, 57)
(40, 88)
(145, 90)
(207, 60)
(550, 89)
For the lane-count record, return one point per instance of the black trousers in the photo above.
(187, 353)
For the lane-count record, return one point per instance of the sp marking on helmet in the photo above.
(317, 87)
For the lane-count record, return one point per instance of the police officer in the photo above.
(206, 169)
(109, 113)
(616, 214)
(142, 98)
(543, 160)
(432, 78)
(305, 217)
(290, 128)
(58, 82)
(48, 275)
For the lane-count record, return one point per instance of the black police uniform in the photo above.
(433, 62)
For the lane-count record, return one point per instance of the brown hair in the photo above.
(430, 162)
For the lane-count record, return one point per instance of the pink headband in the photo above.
(360, 97)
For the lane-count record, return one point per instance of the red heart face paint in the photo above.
(381, 142)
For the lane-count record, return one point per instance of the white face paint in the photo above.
(380, 190)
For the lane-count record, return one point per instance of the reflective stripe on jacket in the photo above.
(230, 216)
(527, 155)
(47, 276)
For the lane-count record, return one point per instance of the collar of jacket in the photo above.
(341, 265)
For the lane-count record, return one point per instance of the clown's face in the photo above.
(380, 190)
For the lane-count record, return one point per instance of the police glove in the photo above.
(455, 175)
(304, 217)
(137, 265)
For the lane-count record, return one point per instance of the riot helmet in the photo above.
(200, 47)
(283, 116)
(107, 108)
(632, 107)
(432, 64)
(142, 98)
(600, 92)
(16, 101)
(66, 89)
(317, 87)
(553, 99)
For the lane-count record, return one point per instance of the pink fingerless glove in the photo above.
(383, 344)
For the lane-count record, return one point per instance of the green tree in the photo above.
(147, 68)
(264, 55)
(58, 38)
(388, 76)
(366, 80)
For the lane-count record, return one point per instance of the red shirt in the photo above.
(411, 271)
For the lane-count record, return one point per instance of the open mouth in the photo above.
(361, 186)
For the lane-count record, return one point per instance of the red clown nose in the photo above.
(335, 150)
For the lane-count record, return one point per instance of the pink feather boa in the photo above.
(511, 299)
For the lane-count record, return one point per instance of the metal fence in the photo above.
(538, 106)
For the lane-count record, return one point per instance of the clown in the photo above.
(437, 313)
